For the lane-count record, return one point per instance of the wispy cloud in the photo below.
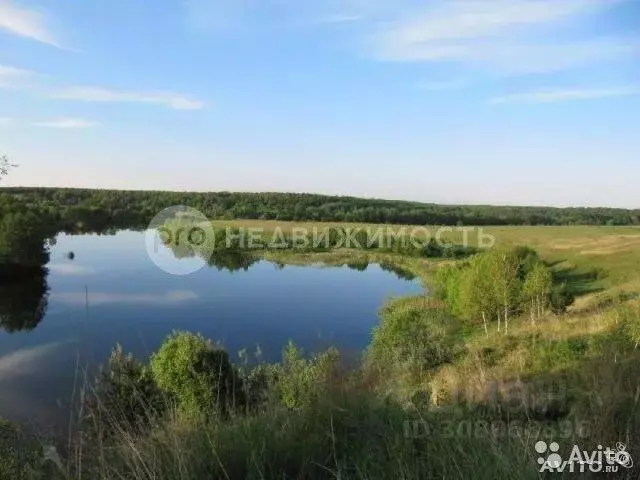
(101, 94)
(454, 20)
(509, 36)
(495, 36)
(11, 77)
(60, 123)
(340, 18)
(66, 123)
(18, 78)
(26, 23)
(525, 58)
(436, 86)
(562, 95)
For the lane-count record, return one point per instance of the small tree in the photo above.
(536, 290)
(125, 393)
(478, 297)
(504, 267)
(5, 166)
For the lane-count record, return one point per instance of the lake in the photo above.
(111, 292)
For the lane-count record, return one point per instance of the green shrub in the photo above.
(561, 298)
(448, 283)
(126, 392)
(300, 380)
(258, 381)
(258, 384)
(20, 457)
(197, 375)
(412, 335)
(629, 321)
(578, 345)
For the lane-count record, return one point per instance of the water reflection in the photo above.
(24, 252)
(232, 261)
(27, 360)
(101, 298)
(398, 271)
(359, 265)
(23, 301)
(71, 270)
(24, 294)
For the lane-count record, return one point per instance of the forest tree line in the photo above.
(70, 208)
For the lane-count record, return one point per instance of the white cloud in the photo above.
(521, 58)
(497, 36)
(66, 123)
(508, 36)
(473, 19)
(13, 77)
(101, 94)
(5, 121)
(25, 23)
(561, 95)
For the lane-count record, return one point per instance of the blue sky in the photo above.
(450, 101)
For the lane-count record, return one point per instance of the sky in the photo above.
(528, 102)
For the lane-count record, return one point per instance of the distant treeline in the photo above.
(117, 208)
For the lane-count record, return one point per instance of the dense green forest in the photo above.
(116, 208)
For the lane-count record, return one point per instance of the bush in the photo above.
(301, 380)
(258, 384)
(20, 457)
(126, 392)
(412, 334)
(197, 375)
(561, 298)
(629, 321)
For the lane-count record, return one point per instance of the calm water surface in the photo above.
(112, 293)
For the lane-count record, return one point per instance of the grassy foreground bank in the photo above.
(464, 403)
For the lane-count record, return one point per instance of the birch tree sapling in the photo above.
(504, 275)
(536, 290)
